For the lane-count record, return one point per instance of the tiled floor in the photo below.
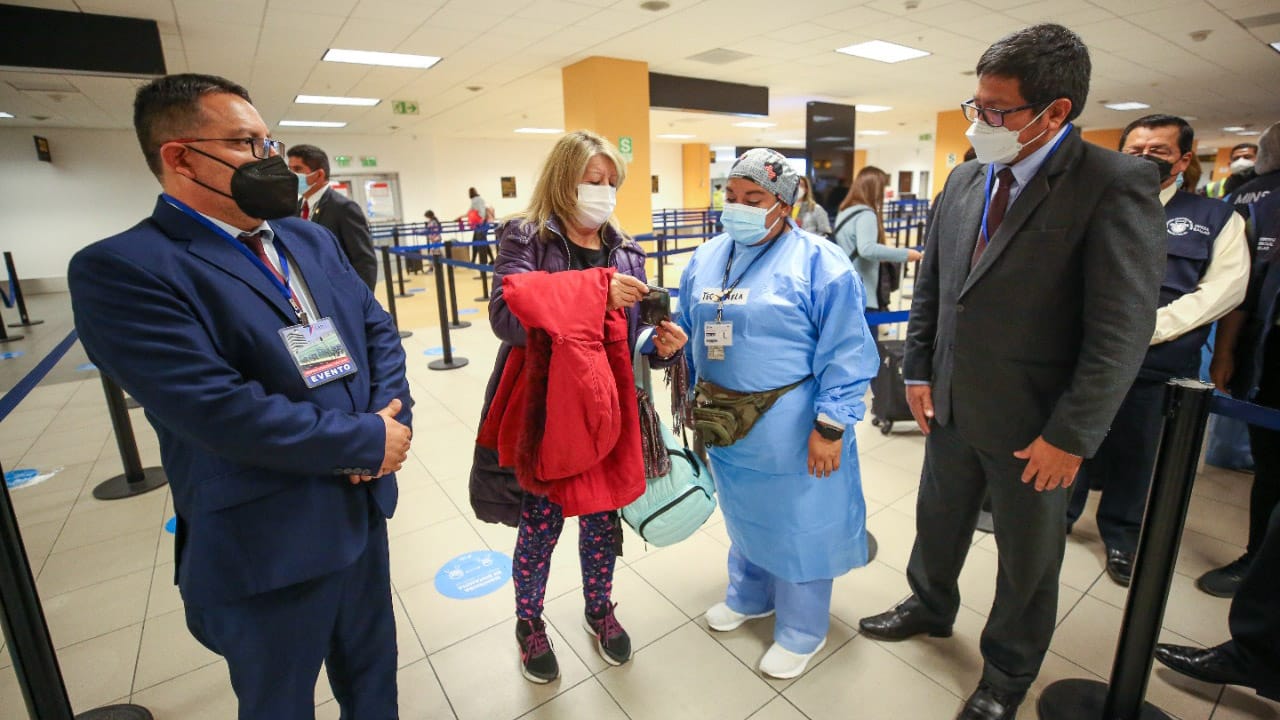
(105, 571)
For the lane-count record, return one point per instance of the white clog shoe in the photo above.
(722, 618)
(783, 664)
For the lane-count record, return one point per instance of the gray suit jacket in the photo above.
(1046, 334)
(344, 219)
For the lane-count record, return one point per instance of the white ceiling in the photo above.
(513, 51)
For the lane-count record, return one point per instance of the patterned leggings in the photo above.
(540, 524)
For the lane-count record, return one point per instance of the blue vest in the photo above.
(1192, 223)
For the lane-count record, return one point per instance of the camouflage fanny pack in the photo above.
(722, 417)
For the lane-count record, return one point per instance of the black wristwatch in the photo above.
(828, 432)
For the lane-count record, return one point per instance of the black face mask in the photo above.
(1164, 167)
(263, 189)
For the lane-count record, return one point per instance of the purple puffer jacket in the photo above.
(495, 494)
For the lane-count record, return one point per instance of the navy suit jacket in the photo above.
(257, 462)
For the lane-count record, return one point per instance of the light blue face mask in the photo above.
(1178, 183)
(745, 224)
(303, 185)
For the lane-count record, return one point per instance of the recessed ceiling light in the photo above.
(873, 132)
(675, 136)
(1127, 105)
(312, 123)
(755, 124)
(367, 57)
(5, 115)
(1250, 132)
(335, 100)
(1232, 128)
(885, 52)
(873, 108)
(539, 131)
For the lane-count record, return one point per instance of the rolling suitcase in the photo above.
(888, 391)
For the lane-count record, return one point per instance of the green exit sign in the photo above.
(342, 160)
(926, 137)
(368, 161)
(404, 107)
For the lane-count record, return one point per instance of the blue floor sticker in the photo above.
(436, 351)
(11, 354)
(171, 525)
(417, 290)
(468, 311)
(26, 477)
(473, 575)
(87, 367)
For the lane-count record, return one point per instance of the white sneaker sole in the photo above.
(535, 679)
(726, 627)
(798, 671)
(600, 646)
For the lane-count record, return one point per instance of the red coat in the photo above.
(564, 414)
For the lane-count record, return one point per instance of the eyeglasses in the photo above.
(262, 148)
(991, 116)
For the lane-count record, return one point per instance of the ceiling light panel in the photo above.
(386, 59)
(312, 123)
(1127, 105)
(335, 100)
(881, 51)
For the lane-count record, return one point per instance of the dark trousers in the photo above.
(275, 642)
(1255, 613)
(481, 254)
(1123, 467)
(1265, 445)
(1030, 530)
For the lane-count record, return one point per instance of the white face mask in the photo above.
(999, 144)
(1240, 165)
(595, 205)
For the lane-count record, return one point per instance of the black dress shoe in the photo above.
(1219, 665)
(904, 621)
(987, 703)
(1120, 566)
(1222, 582)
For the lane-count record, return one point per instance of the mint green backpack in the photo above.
(676, 501)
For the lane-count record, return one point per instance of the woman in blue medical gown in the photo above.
(768, 305)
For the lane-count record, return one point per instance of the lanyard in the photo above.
(282, 287)
(726, 292)
(986, 202)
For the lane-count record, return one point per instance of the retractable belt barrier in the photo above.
(14, 296)
(22, 619)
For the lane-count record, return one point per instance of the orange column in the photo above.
(696, 162)
(859, 161)
(949, 146)
(611, 97)
(1222, 164)
(1108, 138)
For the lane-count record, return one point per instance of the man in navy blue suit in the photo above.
(276, 385)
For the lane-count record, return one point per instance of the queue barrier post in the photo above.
(662, 259)
(455, 323)
(1186, 413)
(5, 337)
(448, 362)
(391, 297)
(26, 633)
(484, 287)
(395, 240)
(136, 479)
(15, 288)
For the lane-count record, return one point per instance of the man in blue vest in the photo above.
(1251, 658)
(1206, 274)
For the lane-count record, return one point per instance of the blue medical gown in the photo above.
(798, 313)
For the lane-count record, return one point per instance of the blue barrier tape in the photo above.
(665, 253)
(465, 264)
(1268, 418)
(19, 392)
(887, 318)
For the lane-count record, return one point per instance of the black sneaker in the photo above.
(1223, 581)
(537, 657)
(611, 640)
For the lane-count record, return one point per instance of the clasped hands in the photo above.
(396, 451)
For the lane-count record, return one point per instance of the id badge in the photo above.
(318, 352)
(717, 336)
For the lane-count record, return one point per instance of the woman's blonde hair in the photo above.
(556, 192)
(807, 202)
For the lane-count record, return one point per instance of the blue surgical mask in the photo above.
(745, 224)
(303, 185)
(1178, 183)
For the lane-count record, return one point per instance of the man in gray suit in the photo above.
(335, 211)
(1034, 307)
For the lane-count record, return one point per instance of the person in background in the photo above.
(333, 210)
(776, 313)
(1266, 181)
(568, 226)
(808, 214)
(1206, 274)
(434, 235)
(860, 234)
(1243, 157)
(1251, 657)
(282, 470)
(1034, 306)
(478, 217)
